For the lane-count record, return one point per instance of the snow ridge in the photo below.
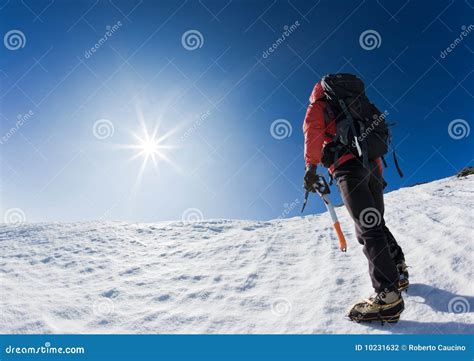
(234, 276)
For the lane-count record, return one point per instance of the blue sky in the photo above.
(215, 100)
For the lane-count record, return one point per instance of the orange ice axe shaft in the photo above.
(335, 221)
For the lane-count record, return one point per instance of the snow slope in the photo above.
(230, 276)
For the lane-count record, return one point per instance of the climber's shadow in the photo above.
(441, 300)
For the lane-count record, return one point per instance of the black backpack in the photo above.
(361, 129)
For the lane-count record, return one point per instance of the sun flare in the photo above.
(148, 148)
(152, 148)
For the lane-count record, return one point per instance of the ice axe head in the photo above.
(305, 201)
(321, 186)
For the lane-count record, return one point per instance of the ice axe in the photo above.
(322, 187)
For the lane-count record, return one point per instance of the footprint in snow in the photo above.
(113, 293)
(249, 283)
(161, 298)
(130, 271)
(47, 260)
(87, 270)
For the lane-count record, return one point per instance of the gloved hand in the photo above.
(310, 177)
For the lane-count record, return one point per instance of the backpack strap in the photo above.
(328, 116)
(350, 124)
(329, 113)
(395, 160)
(364, 150)
(336, 157)
(331, 178)
(361, 150)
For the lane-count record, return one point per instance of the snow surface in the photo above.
(234, 276)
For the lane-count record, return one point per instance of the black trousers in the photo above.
(362, 192)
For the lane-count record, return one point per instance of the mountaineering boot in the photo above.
(382, 306)
(403, 283)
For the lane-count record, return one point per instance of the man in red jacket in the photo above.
(361, 189)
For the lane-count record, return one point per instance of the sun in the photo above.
(148, 147)
(152, 148)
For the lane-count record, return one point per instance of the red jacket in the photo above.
(316, 130)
